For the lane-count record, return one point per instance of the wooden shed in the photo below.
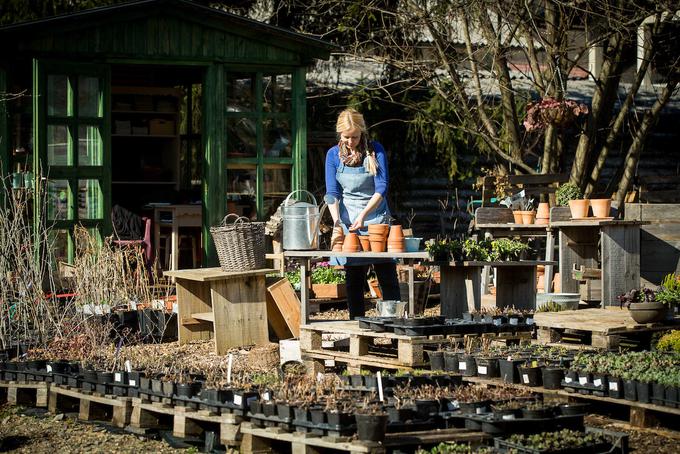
(153, 104)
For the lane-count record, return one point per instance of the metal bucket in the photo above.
(300, 223)
(390, 308)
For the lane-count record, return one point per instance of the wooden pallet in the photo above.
(263, 440)
(90, 406)
(33, 394)
(184, 421)
(600, 328)
(641, 414)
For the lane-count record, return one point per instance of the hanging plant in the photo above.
(551, 111)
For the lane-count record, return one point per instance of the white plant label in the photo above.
(267, 396)
(238, 400)
(614, 386)
(133, 382)
(117, 377)
(506, 417)
(497, 322)
(514, 321)
(567, 379)
(583, 380)
(481, 370)
(479, 410)
(128, 366)
(378, 377)
(231, 360)
(597, 382)
(525, 378)
(462, 366)
(49, 369)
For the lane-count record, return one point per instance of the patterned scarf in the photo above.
(353, 158)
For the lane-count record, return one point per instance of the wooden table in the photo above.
(461, 291)
(229, 306)
(617, 242)
(180, 216)
(303, 259)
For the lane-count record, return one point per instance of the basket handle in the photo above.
(285, 202)
(239, 219)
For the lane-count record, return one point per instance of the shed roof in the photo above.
(184, 10)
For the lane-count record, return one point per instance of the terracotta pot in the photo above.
(396, 233)
(579, 208)
(379, 228)
(365, 243)
(601, 207)
(528, 217)
(338, 238)
(518, 217)
(351, 243)
(395, 246)
(377, 245)
(543, 211)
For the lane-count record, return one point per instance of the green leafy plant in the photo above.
(567, 192)
(550, 306)
(669, 342)
(557, 441)
(507, 249)
(322, 273)
(669, 291)
(476, 250)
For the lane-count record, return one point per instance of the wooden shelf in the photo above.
(145, 112)
(146, 136)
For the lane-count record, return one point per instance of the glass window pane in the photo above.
(88, 97)
(90, 200)
(276, 181)
(277, 93)
(241, 92)
(58, 200)
(277, 138)
(57, 95)
(58, 146)
(241, 187)
(241, 137)
(60, 242)
(89, 146)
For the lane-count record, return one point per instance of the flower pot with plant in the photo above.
(642, 305)
(371, 419)
(569, 194)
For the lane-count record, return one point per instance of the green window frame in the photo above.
(72, 138)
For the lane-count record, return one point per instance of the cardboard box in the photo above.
(161, 127)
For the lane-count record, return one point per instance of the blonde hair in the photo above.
(350, 119)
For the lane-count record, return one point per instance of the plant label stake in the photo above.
(380, 388)
(231, 359)
(319, 376)
(128, 366)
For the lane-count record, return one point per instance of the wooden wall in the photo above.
(659, 241)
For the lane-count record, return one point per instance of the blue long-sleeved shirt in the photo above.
(380, 179)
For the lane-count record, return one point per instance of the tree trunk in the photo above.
(633, 154)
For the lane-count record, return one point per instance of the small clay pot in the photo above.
(365, 243)
(338, 238)
(351, 243)
(395, 245)
(543, 211)
(528, 217)
(378, 229)
(601, 207)
(579, 208)
(518, 217)
(377, 245)
(396, 233)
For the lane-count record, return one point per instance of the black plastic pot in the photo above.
(615, 386)
(90, 376)
(537, 413)
(600, 382)
(356, 380)
(467, 365)
(658, 394)
(269, 408)
(188, 390)
(371, 427)
(451, 362)
(301, 414)
(120, 377)
(474, 408)
(571, 377)
(671, 396)
(56, 367)
(506, 414)
(284, 411)
(339, 420)
(425, 407)
(436, 360)
(576, 408)
(644, 392)
(531, 376)
(630, 390)
(488, 367)
(318, 416)
(104, 378)
(371, 381)
(509, 370)
(255, 407)
(552, 377)
(403, 414)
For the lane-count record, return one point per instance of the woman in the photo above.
(356, 191)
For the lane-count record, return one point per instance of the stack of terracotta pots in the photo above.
(395, 242)
(377, 235)
(365, 243)
(351, 243)
(543, 213)
(337, 239)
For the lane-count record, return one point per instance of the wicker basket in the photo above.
(239, 243)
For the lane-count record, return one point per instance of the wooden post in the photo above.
(516, 286)
(620, 261)
(305, 283)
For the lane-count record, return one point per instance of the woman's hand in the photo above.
(358, 223)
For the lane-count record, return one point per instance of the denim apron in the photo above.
(358, 187)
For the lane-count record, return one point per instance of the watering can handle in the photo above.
(285, 202)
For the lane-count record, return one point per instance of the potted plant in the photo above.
(371, 420)
(476, 251)
(506, 249)
(570, 194)
(668, 293)
(642, 305)
(328, 282)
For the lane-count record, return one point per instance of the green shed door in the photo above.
(72, 137)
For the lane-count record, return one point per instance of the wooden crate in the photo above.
(90, 406)
(600, 328)
(24, 393)
(257, 440)
(184, 421)
(328, 291)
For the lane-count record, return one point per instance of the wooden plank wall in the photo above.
(659, 241)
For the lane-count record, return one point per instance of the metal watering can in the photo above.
(390, 308)
(300, 223)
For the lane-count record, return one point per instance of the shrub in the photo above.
(567, 192)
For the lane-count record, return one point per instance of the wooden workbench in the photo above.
(229, 306)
